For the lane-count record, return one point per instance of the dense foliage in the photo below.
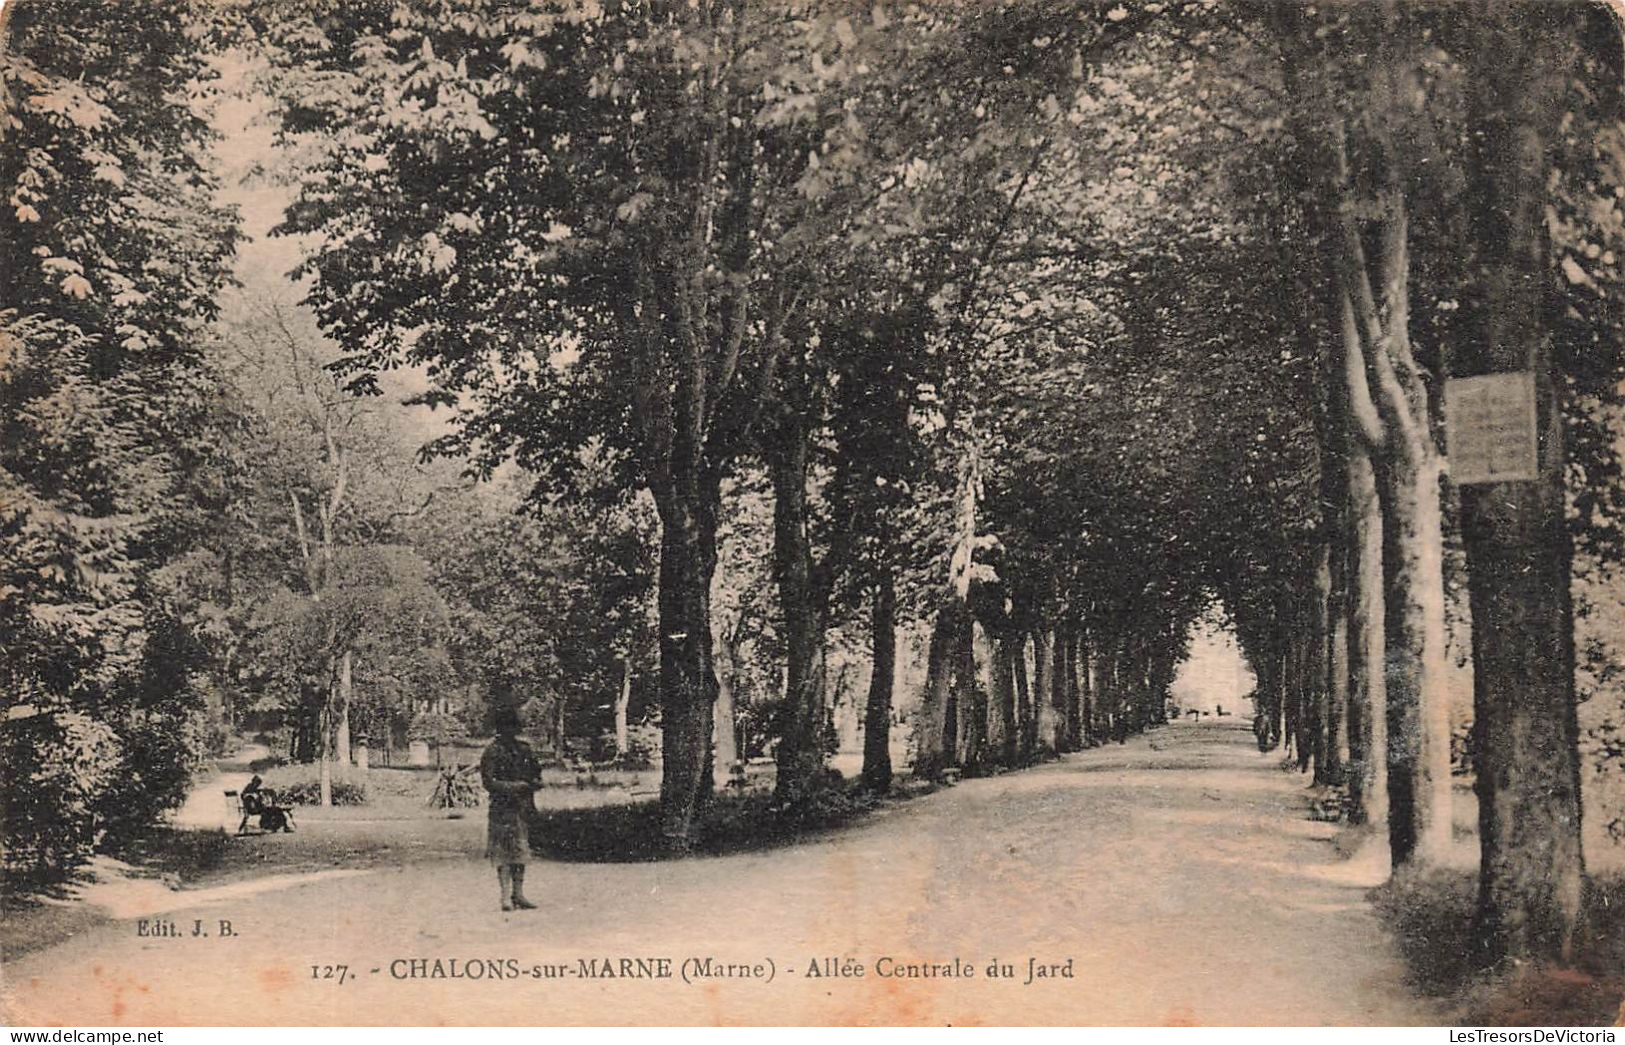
(954, 362)
(116, 431)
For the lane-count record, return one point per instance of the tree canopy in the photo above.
(751, 347)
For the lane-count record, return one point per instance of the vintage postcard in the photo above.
(807, 512)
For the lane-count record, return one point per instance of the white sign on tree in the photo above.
(1490, 427)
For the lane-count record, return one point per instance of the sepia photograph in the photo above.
(906, 513)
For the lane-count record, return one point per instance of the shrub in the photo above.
(728, 823)
(56, 768)
(831, 802)
(301, 785)
(1431, 914)
(159, 753)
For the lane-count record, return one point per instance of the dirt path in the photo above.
(1177, 874)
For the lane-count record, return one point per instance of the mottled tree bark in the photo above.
(1061, 695)
(1076, 651)
(1418, 750)
(1003, 734)
(1086, 693)
(1318, 716)
(1413, 559)
(1026, 713)
(934, 730)
(1048, 724)
(970, 701)
(1368, 678)
(724, 734)
(1418, 704)
(800, 753)
(1291, 687)
(623, 705)
(1532, 873)
(1333, 770)
(688, 684)
(877, 767)
(324, 771)
(341, 745)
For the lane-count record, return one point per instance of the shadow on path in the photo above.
(1169, 880)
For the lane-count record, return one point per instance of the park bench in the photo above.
(272, 818)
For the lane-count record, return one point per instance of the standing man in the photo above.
(511, 775)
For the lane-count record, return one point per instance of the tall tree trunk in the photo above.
(688, 683)
(1413, 535)
(1334, 441)
(1061, 693)
(1003, 732)
(877, 767)
(1144, 686)
(1532, 872)
(1129, 678)
(1162, 680)
(1418, 700)
(724, 735)
(1333, 770)
(934, 722)
(1270, 711)
(1113, 655)
(801, 717)
(1131, 688)
(1419, 818)
(1044, 691)
(342, 745)
(984, 683)
(1074, 695)
(970, 701)
(324, 772)
(623, 704)
(1105, 657)
(1291, 693)
(1026, 713)
(1083, 731)
(1278, 684)
(1319, 704)
(1368, 678)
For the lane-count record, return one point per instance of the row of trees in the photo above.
(203, 535)
(1042, 327)
(696, 238)
(1026, 346)
(1466, 165)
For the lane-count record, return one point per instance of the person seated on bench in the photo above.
(260, 802)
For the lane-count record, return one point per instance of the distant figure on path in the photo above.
(511, 774)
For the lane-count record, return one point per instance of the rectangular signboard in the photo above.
(1490, 428)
